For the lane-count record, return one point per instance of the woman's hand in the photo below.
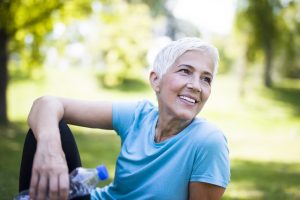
(49, 172)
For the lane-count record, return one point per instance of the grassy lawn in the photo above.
(94, 148)
(262, 129)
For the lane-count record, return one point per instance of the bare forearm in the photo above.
(205, 191)
(49, 170)
(44, 116)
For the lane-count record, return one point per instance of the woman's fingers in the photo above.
(42, 187)
(58, 187)
(63, 186)
(50, 176)
(33, 184)
(53, 188)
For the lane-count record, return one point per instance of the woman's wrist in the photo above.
(50, 148)
(47, 134)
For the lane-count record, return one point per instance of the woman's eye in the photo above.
(185, 71)
(207, 79)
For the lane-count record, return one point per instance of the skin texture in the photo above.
(188, 79)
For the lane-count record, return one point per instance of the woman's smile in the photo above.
(189, 99)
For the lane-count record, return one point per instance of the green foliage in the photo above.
(124, 40)
(258, 20)
(226, 59)
(27, 24)
(156, 7)
(271, 30)
(289, 60)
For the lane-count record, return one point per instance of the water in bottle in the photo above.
(82, 182)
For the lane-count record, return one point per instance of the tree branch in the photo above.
(36, 19)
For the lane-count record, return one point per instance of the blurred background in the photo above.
(102, 50)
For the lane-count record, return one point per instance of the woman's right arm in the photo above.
(49, 171)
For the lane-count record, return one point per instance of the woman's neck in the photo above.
(168, 127)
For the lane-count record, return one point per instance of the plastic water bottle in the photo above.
(82, 182)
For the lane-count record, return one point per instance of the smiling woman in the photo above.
(188, 155)
(183, 89)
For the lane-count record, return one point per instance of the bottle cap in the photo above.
(102, 172)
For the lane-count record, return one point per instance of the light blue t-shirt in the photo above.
(149, 170)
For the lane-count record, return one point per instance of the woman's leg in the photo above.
(68, 145)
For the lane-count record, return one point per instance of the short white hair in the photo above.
(168, 55)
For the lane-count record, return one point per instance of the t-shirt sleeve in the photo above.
(122, 117)
(211, 163)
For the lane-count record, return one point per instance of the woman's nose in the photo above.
(194, 84)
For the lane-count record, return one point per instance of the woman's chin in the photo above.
(186, 116)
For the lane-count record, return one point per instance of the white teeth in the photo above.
(188, 99)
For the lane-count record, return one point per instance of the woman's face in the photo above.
(185, 87)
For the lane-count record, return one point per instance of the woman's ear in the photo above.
(154, 80)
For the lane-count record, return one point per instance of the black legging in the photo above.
(68, 145)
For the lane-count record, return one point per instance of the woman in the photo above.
(166, 152)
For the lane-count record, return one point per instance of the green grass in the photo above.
(10, 154)
(264, 180)
(95, 148)
(262, 128)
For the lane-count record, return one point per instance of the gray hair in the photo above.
(168, 55)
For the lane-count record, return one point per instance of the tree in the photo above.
(123, 49)
(125, 39)
(289, 56)
(259, 21)
(175, 28)
(23, 25)
(156, 7)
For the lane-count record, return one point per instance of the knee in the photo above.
(63, 125)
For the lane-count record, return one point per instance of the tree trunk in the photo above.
(3, 75)
(242, 73)
(268, 67)
(171, 26)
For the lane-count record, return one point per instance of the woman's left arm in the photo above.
(205, 191)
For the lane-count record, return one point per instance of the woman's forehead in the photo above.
(196, 53)
(194, 58)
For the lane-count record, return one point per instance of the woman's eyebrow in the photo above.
(186, 65)
(192, 67)
(208, 73)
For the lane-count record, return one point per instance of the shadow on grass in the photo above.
(264, 180)
(11, 145)
(290, 96)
